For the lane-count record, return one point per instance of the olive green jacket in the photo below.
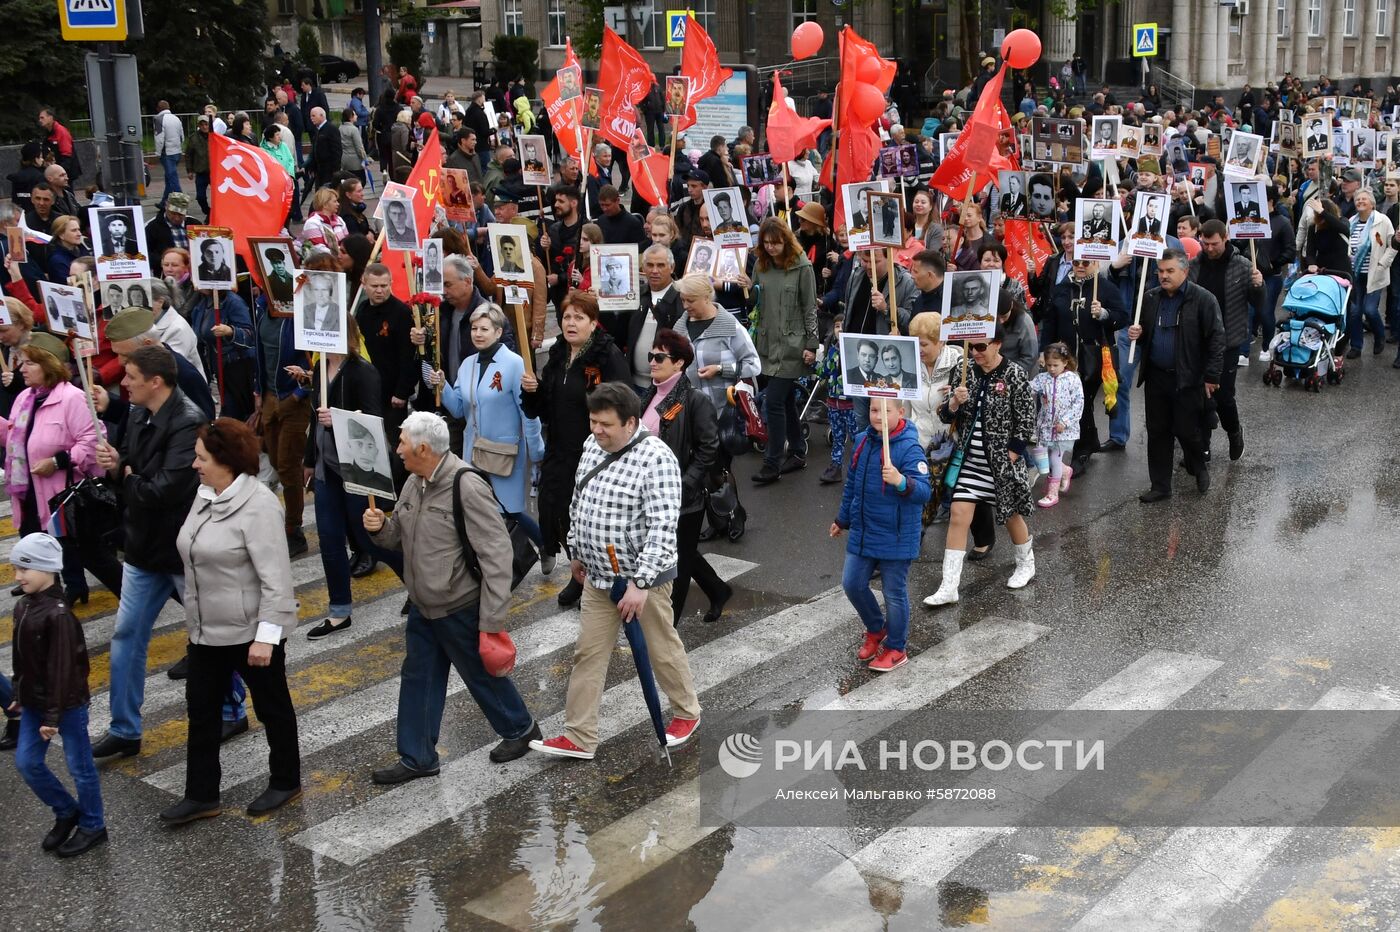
(786, 315)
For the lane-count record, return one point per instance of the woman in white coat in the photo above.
(498, 438)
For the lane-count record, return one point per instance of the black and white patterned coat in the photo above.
(1008, 425)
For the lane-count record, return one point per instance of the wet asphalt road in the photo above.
(1280, 584)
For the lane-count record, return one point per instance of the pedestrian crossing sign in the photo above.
(675, 28)
(1144, 40)
(92, 20)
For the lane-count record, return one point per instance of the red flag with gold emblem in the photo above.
(425, 179)
(249, 192)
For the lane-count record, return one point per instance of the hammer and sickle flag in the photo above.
(249, 192)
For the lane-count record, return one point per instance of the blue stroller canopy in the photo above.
(1320, 296)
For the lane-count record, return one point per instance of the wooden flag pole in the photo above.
(90, 307)
(893, 309)
(219, 351)
(884, 429)
(522, 334)
(671, 169)
(1137, 311)
(437, 350)
(586, 157)
(372, 505)
(87, 390)
(787, 196)
(412, 290)
(325, 382)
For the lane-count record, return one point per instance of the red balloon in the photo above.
(868, 69)
(1021, 48)
(807, 40)
(867, 104)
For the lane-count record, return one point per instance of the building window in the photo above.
(803, 11)
(512, 18)
(1285, 26)
(654, 28)
(558, 24)
(1382, 19)
(1314, 17)
(287, 7)
(1348, 17)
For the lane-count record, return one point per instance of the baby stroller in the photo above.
(1306, 346)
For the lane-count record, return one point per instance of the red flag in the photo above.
(425, 179)
(954, 174)
(564, 114)
(649, 176)
(699, 63)
(625, 78)
(789, 135)
(248, 192)
(1028, 248)
(858, 146)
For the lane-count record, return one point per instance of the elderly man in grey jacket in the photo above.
(457, 610)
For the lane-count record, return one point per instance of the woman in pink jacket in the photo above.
(50, 443)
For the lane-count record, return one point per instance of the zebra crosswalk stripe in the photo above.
(672, 822)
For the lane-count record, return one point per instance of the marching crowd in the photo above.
(623, 428)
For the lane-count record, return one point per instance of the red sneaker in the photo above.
(680, 731)
(870, 646)
(888, 660)
(561, 747)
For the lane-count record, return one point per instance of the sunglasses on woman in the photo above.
(978, 347)
(658, 357)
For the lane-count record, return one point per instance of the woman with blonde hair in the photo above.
(325, 227)
(786, 340)
(66, 245)
(663, 231)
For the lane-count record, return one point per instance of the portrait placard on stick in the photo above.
(854, 206)
(66, 307)
(455, 192)
(119, 240)
(615, 276)
(1317, 138)
(1245, 209)
(885, 366)
(1012, 185)
(725, 207)
(1096, 225)
(432, 266)
(1148, 238)
(701, 260)
(363, 451)
(277, 269)
(510, 248)
(886, 219)
(1245, 157)
(1058, 141)
(534, 161)
(970, 304)
(401, 226)
(320, 312)
(393, 191)
(730, 262)
(1106, 133)
(211, 256)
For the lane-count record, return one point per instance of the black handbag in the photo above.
(92, 508)
(722, 507)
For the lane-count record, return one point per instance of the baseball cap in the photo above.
(698, 174)
(1352, 174)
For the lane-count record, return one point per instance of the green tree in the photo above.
(516, 55)
(202, 51)
(38, 69)
(406, 50)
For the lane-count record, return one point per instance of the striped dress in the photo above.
(975, 481)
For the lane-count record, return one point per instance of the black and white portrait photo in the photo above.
(432, 266)
(725, 207)
(1244, 157)
(887, 216)
(730, 262)
(701, 260)
(534, 161)
(853, 204)
(1247, 213)
(139, 294)
(1105, 134)
(1288, 139)
(1012, 186)
(400, 226)
(969, 304)
(277, 269)
(1363, 147)
(1129, 141)
(1041, 202)
(320, 312)
(510, 248)
(119, 240)
(1149, 233)
(1317, 139)
(212, 262)
(1152, 139)
(880, 366)
(364, 452)
(1096, 225)
(66, 308)
(615, 275)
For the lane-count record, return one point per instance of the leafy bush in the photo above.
(516, 56)
(406, 50)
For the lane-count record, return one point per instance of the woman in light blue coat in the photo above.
(486, 394)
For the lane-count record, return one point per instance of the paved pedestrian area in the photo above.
(1277, 590)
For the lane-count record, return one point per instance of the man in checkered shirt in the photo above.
(628, 496)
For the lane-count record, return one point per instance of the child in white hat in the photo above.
(51, 695)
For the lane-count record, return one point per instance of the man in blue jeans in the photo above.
(458, 606)
(152, 462)
(170, 143)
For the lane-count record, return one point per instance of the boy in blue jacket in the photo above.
(882, 506)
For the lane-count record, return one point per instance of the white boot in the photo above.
(1025, 566)
(947, 592)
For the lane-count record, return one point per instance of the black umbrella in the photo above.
(637, 640)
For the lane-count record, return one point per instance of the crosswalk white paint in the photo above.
(1198, 870)
(921, 854)
(672, 822)
(328, 725)
(401, 813)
